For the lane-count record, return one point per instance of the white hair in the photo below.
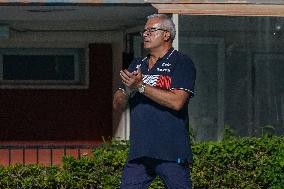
(167, 24)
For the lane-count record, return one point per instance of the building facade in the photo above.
(59, 65)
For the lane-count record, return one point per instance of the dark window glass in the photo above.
(38, 67)
(240, 66)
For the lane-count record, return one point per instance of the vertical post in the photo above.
(37, 154)
(1, 67)
(64, 150)
(24, 154)
(51, 155)
(127, 121)
(10, 156)
(79, 152)
(175, 20)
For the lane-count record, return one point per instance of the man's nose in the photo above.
(146, 33)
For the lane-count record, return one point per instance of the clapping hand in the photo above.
(131, 79)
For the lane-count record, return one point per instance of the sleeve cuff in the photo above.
(186, 90)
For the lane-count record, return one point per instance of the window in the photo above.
(42, 68)
(239, 61)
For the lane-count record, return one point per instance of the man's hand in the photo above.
(132, 80)
(174, 99)
(119, 101)
(119, 105)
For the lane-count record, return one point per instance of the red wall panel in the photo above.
(4, 156)
(35, 115)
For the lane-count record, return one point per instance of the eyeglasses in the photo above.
(150, 31)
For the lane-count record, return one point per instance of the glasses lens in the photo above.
(150, 31)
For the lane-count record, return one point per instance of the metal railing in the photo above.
(44, 147)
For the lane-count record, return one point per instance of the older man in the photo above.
(158, 88)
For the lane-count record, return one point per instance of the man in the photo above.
(161, 85)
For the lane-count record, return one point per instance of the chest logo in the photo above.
(161, 81)
(166, 64)
(163, 70)
(164, 81)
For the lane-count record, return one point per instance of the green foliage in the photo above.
(102, 170)
(239, 163)
(28, 176)
(192, 134)
(267, 130)
(229, 133)
(81, 173)
(232, 163)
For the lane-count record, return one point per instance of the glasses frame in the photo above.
(151, 30)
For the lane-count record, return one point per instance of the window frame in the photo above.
(222, 8)
(80, 69)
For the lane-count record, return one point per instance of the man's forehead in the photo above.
(152, 23)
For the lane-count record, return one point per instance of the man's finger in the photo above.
(124, 76)
(126, 83)
(127, 73)
(139, 71)
(125, 79)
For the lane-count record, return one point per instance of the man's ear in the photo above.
(167, 36)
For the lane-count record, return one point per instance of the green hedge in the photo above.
(234, 163)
